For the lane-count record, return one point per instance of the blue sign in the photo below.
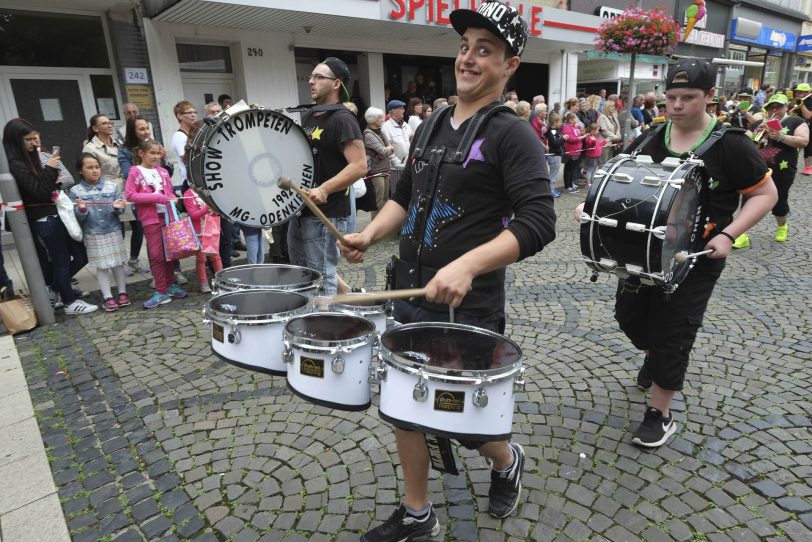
(769, 37)
(805, 43)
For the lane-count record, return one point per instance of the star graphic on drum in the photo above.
(317, 133)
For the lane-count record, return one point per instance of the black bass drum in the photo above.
(236, 158)
(639, 215)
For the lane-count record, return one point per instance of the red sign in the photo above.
(436, 12)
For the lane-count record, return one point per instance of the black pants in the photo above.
(571, 170)
(226, 248)
(666, 325)
(783, 182)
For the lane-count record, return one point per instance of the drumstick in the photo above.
(361, 298)
(286, 182)
(681, 257)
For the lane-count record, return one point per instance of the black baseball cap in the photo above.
(700, 74)
(342, 72)
(497, 18)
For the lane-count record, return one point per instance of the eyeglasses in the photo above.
(319, 77)
(189, 113)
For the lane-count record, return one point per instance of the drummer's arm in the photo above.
(756, 205)
(356, 156)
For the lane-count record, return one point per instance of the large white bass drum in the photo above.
(236, 158)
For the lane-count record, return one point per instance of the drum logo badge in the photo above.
(449, 401)
(217, 333)
(312, 367)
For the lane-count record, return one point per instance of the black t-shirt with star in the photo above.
(733, 164)
(785, 162)
(503, 183)
(329, 131)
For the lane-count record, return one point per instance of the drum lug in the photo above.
(206, 320)
(481, 397)
(377, 373)
(518, 381)
(287, 352)
(234, 335)
(338, 364)
(421, 391)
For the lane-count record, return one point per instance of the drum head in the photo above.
(329, 327)
(451, 347)
(255, 303)
(235, 165)
(269, 276)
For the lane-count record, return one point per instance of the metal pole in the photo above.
(24, 242)
(626, 132)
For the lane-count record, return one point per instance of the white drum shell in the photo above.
(491, 422)
(330, 372)
(374, 313)
(226, 280)
(259, 347)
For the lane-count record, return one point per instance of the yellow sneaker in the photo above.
(781, 233)
(742, 241)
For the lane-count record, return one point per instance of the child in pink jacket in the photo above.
(198, 209)
(593, 146)
(150, 188)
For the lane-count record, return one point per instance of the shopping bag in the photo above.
(64, 207)
(210, 234)
(180, 240)
(18, 314)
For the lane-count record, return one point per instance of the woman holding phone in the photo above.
(37, 184)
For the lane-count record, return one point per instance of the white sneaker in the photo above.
(80, 307)
(136, 266)
(205, 289)
(179, 278)
(128, 271)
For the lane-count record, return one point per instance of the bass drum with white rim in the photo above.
(639, 215)
(236, 158)
(449, 380)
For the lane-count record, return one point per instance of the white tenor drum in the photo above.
(329, 356)
(377, 313)
(449, 380)
(247, 326)
(236, 158)
(269, 276)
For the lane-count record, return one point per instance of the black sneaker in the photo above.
(401, 527)
(506, 487)
(655, 429)
(644, 377)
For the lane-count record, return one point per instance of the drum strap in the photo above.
(441, 454)
(650, 135)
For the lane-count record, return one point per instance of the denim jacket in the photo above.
(97, 219)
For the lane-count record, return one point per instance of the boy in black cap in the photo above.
(665, 325)
(340, 161)
(465, 216)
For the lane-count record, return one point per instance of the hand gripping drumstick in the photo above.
(286, 182)
(361, 298)
(681, 257)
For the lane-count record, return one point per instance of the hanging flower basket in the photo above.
(637, 30)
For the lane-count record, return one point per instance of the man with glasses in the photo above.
(186, 114)
(340, 160)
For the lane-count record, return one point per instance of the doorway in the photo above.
(201, 91)
(55, 107)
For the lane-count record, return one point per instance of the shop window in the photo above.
(204, 58)
(104, 94)
(32, 38)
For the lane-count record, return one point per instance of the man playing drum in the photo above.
(340, 161)
(665, 325)
(464, 217)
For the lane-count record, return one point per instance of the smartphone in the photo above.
(775, 124)
(744, 106)
(55, 149)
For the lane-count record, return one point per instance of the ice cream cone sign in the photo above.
(693, 14)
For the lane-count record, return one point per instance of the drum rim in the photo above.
(228, 318)
(220, 282)
(440, 374)
(319, 345)
(363, 310)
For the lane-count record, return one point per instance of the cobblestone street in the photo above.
(151, 437)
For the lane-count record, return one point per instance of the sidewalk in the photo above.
(29, 504)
